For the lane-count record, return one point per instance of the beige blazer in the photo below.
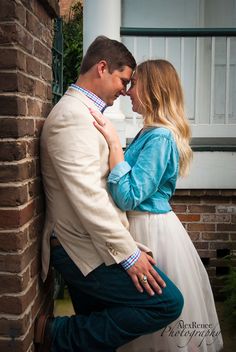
(74, 164)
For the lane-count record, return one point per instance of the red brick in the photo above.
(42, 52)
(35, 267)
(226, 209)
(219, 262)
(35, 188)
(14, 33)
(189, 217)
(194, 235)
(41, 90)
(185, 200)
(226, 227)
(33, 25)
(12, 105)
(15, 59)
(34, 107)
(13, 195)
(211, 272)
(233, 218)
(33, 147)
(201, 208)
(29, 5)
(222, 245)
(15, 127)
(12, 11)
(201, 245)
(17, 262)
(18, 172)
(19, 326)
(8, 33)
(10, 151)
(233, 236)
(47, 37)
(8, 82)
(26, 84)
(197, 192)
(24, 39)
(13, 218)
(201, 227)
(13, 241)
(16, 82)
(228, 192)
(213, 192)
(7, 11)
(65, 7)
(214, 236)
(39, 204)
(38, 126)
(46, 108)
(10, 344)
(215, 218)
(49, 92)
(33, 66)
(43, 13)
(179, 208)
(36, 227)
(18, 304)
(206, 253)
(12, 283)
(46, 73)
(216, 200)
(182, 192)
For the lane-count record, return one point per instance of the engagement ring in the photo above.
(144, 279)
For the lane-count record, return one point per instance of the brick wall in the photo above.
(25, 99)
(209, 217)
(65, 7)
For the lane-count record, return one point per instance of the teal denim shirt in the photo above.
(146, 180)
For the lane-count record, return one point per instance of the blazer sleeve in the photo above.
(74, 148)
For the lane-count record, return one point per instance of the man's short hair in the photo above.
(112, 51)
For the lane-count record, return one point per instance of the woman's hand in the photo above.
(105, 126)
(108, 130)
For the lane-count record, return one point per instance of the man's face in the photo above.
(114, 84)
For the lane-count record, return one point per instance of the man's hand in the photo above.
(144, 276)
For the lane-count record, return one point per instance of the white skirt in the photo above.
(197, 329)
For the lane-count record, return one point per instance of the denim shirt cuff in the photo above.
(118, 171)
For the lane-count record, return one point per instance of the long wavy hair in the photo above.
(161, 101)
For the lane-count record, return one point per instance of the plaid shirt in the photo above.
(97, 101)
(102, 106)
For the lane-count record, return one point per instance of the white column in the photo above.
(103, 17)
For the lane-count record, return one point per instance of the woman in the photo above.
(142, 184)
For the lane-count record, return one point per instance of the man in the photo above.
(115, 287)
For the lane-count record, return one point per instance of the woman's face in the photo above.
(132, 93)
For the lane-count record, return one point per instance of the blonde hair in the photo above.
(161, 100)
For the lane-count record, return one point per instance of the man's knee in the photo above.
(171, 306)
(178, 303)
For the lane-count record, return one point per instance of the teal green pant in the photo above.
(109, 310)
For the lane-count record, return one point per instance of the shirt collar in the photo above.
(101, 105)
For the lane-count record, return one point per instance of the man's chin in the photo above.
(110, 103)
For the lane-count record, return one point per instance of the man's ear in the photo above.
(102, 67)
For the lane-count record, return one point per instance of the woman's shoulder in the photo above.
(161, 132)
